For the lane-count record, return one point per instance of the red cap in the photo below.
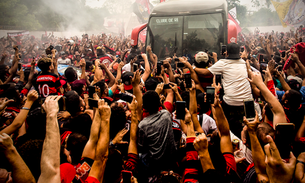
(127, 87)
(67, 173)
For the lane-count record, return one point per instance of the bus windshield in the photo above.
(185, 35)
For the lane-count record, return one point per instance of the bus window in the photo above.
(202, 32)
(165, 35)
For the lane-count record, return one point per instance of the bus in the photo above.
(185, 27)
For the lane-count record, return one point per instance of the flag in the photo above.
(142, 8)
(296, 14)
(290, 12)
(234, 14)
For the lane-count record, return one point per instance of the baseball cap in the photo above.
(127, 80)
(201, 57)
(151, 83)
(67, 172)
(233, 51)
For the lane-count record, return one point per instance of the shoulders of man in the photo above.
(164, 115)
(48, 74)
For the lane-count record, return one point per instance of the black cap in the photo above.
(151, 83)
(126, 78)
(233, 50)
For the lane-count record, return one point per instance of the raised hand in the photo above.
(32, 96)
(50, 105)
(104, 109)
(135, 81)
(252, 126)
(118, 139)
(201, 144)
(277, 170)
(133, 105)
(256, 78)
(4, 102)
(159, 88)
(6, 143)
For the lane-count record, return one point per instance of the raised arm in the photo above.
(20, 171)
(137, 92)
(82, 64)
(133, 147)
(31, 76)
(176, 92)
(55, 71)
(50, 156)
(295, 58)
(258, 154)
(193, 73)
(19, 120)
(282, 80)
(193, 108)
(275, 105)
(14, 67)
(101, 152)
(147, 68)
(109, 74)
(89, 150)
(223, 127)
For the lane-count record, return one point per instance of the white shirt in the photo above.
(127, 68)
(207, 123)
(235, 84)
(66, 61)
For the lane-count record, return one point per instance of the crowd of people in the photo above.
(235, 116)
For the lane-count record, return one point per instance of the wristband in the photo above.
(298, 161)
(25, 108)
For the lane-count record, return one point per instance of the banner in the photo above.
(142, 8)
(16, 34)
(290, 12)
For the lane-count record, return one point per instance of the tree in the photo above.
(13, 13)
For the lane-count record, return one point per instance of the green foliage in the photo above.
(13, 13)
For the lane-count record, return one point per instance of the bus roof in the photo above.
(184, 7)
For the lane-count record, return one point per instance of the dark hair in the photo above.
(100, 52)
(30, 152)
(88, 65)
(44, 64)
(102, 86)
(117, 118)
(294, 99)
(151, 101)
(202, 64)
(151, 83)
(70, 74)
(36, 122)
(262, 131)
(76, 144)
(11, 93)
(113, 166)
(268, 112)
(78, 87)
(72, 102)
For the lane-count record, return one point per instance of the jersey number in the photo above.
(44, 90)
